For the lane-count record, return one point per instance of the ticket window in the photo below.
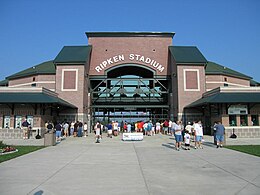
(7, 122)
(30, 120)
(18, 122)
(232, 120)
(254, 120)
(243, 120)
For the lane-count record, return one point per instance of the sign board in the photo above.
(238, 109)
(133, 137)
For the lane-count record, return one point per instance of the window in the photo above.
(225, 85)
(225, 79)
(232, 120)
(33, 84)
(243, 120)
(254, 120)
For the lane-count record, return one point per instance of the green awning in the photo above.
(227, 98)
(27, 98)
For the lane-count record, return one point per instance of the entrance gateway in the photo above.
(129, 93)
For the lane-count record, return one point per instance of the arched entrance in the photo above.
(129, 92)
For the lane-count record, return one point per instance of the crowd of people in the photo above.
(184, 135)
(65, 129)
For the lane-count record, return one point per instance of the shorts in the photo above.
(178, 138)
(220, 138)
(187, 144)
(58, 133)
(109, 131)
(198, 138)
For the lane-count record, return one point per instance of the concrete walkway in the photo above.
(151, 166)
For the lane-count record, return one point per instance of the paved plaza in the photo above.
(151, 166)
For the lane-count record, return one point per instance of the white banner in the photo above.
(133, 137)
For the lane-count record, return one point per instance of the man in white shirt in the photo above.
(199, 134)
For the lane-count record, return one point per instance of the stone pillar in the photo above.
(238, 120)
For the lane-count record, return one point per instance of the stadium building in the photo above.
(130, 76)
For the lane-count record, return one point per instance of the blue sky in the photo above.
(34, 31)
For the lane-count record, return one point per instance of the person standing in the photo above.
(198, 129)
(158, 127)
(220, 132)
(178, 135)
(25, 127)
(72, 128)
(66, 129)
(115, 128)
(85, 127)
(187, 140)
(80, 129)
(98, 132)
(109, 130)
(129, 127)
(58, 128)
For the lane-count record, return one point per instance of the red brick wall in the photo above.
(188, 96)
(74, 97)
(47, 81)
(214, 81)
(155, 48)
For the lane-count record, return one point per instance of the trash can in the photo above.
(50, 138)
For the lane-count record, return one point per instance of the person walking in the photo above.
(219, 132)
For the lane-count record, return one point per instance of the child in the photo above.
(187, 140)
(98, 132)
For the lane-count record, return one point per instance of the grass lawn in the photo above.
(22, 150)
(249, 149)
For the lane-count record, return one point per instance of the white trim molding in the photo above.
(198, 79)
(62, 80)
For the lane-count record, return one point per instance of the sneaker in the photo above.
(195, 147)
(217, 146)
(178, 149)
(188, 148)
(221, 146)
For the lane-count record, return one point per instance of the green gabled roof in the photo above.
(187, 54)
(227, 98)
(4, 82)
(216, 69)
(73, 54)
(18, 97)
(43, 68)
